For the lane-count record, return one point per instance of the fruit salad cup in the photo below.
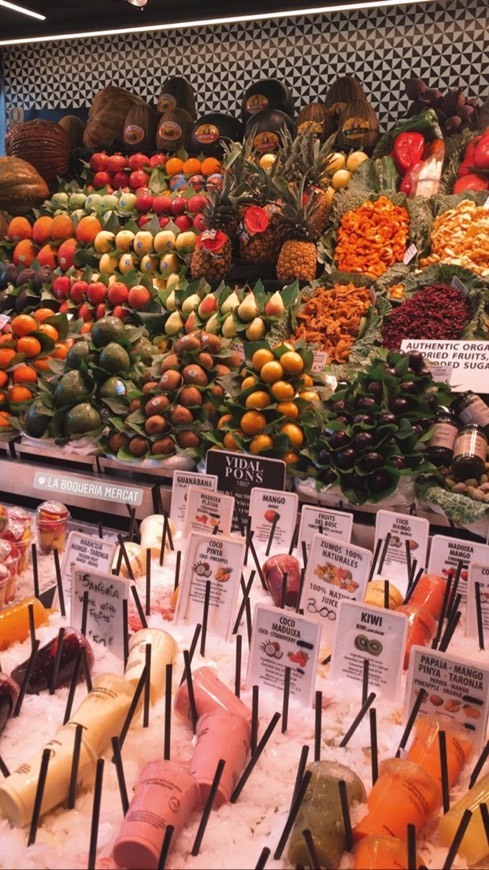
(3, 518)
(19, 530)
(9, 559)
(52, 526)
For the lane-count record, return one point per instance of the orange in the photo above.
(292, 362)
(60, 350)
(41, 231)
(230, 442)
(7, 338)
(271, 372)
(260, 357)
(24, 324)
(19, 394)
(6, 356)
(19, 228)
(4, 420)
(191, 166)
(260, 443)
(87, 229)
(307, 381)
(66, 253)
(3, 399)
(289, 457)
(42, 314)
(47, 256)
(3, 379)
(87, 327)
(173, 166)
(24, 253)
(283, 391)
(288, 409)
(226, 418)
(250, 381)
(209, 166)
(257, 400)
(29, 345)
(309, 396)
(62, 227)
(24, 374)
(42, 364)
(294, 434)
(50, 330)
(252, 422)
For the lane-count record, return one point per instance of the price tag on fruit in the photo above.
(332, 524)
(334, 571)
(457, 284)
(478, 573)
(238, 473)
(371, 633)
(456, 688)
(180, 483)
(217, 560)
(409, 254)
(84, 552)
(281, 639)
(4, 319)
(273, 517)
(207, 511)
(406, 534)
(446, 553)
(105, 615)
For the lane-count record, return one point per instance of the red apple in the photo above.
(63, 308)
(178, 205)
(183, 222)
(138, 161)
(61, 287)
(85, 312)
(138, 178)
(96, 293)
(199, 222)
(78, 291)
(158, 160)
(117, 293)
(119, 179)
(144, 202)
(138, 296)
(116, 163)
(98, 161)
(143, 219)
(163, 221)
(162, 205)
(101, 179)
(120, 312)
(100, 311)
(197, 203)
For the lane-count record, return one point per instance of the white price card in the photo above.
(446, 553)
(85, 552)
(469, 360)
(207, 511)
(478, 573)
(218, 560)
(319, 362)
(334, 571)
(273, 518)
(105, 615)
(409, 254)
(282, 639)
(456, 688)
(332, 524)
(372, 633)
(404, 531)
(180, 483)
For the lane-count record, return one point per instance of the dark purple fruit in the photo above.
(363, 440)
(345, 458)
(324, 457)
(417, 429)
(327, 476)
(339, 439)
(352, 480)
(376, 388)
(409, 387)
(399, 406)
(9, 692)
(338, 406)
(416, 361)
(398, 462)
(379, 481)
(364, 418)
(386, 417)
(367, 402)
(372, 460)
(42, 672)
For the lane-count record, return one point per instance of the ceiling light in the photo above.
(139, 4)
(15, 8)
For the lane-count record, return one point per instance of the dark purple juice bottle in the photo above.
(42, 672)
(9, 692)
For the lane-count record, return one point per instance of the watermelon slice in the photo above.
(256, 220)
(212, 240)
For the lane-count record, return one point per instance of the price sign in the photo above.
(478, 574)
(447, 552)
(207, 511)
(469, 360)
(84, 552)
(273, 518)
(332, 524)
(405, 531)
(105, 616)
(237, 474)
(180, 484)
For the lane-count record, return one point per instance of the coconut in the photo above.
(176, 93)
(209, 131)
(266, 94)
(173, 130)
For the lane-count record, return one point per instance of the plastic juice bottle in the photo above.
(474, 846)
(14, 620)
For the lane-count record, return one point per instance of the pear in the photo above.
(190, 303)
(248, 309)
(171, 302)
(275, 305)
(256, 329)
(164, 241)
(174, 324)
(230, 303)
(173, 280)
(228, 328)
(212, 324)
(169, 263)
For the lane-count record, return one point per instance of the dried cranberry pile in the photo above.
(437, 311)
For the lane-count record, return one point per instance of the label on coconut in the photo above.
(404, 531)
(207, 511)
(478, 578)
(322, 521)
(410, 254)
(469, 360)
(237, 474)
(133, 134)
(373, 634)
(282, 639)
(166, 103)
(446, 553)
(216, 560)
(334, 571)
(311, 127)
(206, 133)
(256, 103)
(266, 141)
(355, 129)
(105, 615)
(85, 552)
(273, 516)
(169, 130)
(181, 481)
(456, 689)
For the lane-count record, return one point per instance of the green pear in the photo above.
(256, 329)
(212, 324)
(228, 328)
(190, 303)
(171, 302)
(230, 303)
(174, 323)
(248, 309)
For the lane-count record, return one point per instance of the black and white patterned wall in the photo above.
(446, 43)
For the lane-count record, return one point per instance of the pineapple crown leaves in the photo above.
(309, 158)
(298, 211)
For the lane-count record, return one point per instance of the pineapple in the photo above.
(212, 256)
(298, 226)
(309, 160)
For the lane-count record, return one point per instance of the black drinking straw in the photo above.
(208, 807)
(168, 531)
(311, 849)
(345, 810)
(32, 624)
(237, 667)
(205, 617)
(304, 554)
(296, 805)
(318, 719)
(75, 761)
(168, 708)
(283, 591)
(410, 722)
(272, 533)
(256, 560)
(374, 560)
(190, 690)
(97, 799)
(147, 686)
(444, 606)
(300, 771)
(459, 835)
(246, 589)
(41, 782)
(148, 582)
(301, 586)
(121, 780)
(84, 618)
(285, 704)
(117, 569)
(59, 582)
(178, 560)
(387, 588)
(451, 607)
(100, 531)
(125, 556)
(134, 703)
(254, 758)
(132, 522)
(3, 768)
(410, 571)
(139, 606)
(411, 847)
(384, 551)
(365, 675)
(163, 539)
(485, 819)
(262, 860)
(255, 698)
(165, 849)
(478, 610)
(413, 583)
(27, 677)
(86, 668)
(358, 718)
(125, 628)
(35, 570)
(57, 661)
(479, 765)
(249, 621)
(293, 542)
(450, 628)
(373, 744)
(445, 788)
(195, 638)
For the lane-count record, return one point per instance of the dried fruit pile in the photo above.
(460, 236)
(332, 319)
(372, 237)
(437, 311)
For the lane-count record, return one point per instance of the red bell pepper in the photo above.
(481, 153)
(470, 182)
(408, 150)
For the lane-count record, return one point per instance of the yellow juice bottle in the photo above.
(474, 846)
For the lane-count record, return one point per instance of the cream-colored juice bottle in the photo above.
(474, 846)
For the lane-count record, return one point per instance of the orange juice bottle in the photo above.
(425, 747)
(14, 620)
(474, 846)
